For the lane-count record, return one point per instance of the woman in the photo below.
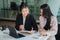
(48, 22)
(25, 21)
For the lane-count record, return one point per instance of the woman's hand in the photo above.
(43, 33)
(32, 31)
(21, 27)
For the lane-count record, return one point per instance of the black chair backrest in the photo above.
(13, 5)
(58, 33)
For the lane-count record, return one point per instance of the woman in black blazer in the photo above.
(25, 21)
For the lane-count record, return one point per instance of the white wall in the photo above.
(54, 5)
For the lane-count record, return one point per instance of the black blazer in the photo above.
(29, 22)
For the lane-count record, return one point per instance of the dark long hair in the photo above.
(47, 14)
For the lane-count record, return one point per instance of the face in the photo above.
(41, 12)
(25, 11)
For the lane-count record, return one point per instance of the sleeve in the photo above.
(41, 23)
(54, 27)
(18, 22)
(34, 24)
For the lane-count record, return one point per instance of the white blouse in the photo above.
(24, 21)
(53, 24)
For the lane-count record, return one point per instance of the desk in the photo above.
(4, 36)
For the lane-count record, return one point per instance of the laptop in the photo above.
(13, 33)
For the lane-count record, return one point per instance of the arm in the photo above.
(18, 22)
(54, 28)
(41, 25)
(34, 24)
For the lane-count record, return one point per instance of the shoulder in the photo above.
(53, 18)
(19, 15)
(40, 17)
(30, 16)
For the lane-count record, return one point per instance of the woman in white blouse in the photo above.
(48, 22)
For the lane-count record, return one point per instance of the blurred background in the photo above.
(6, 10)
(10, 8)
